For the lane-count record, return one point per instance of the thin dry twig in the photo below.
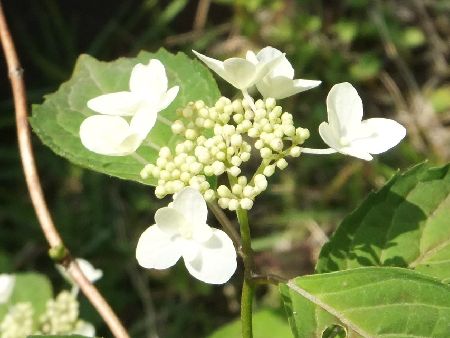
(201, 15)
(55, 241)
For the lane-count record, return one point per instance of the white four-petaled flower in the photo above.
(7, 283)
(181, 231)
(348, 134)
(112, 134)
(279, 81)
(239, 72)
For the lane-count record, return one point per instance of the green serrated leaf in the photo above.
(405, 224)
(57, 121)
(368, 302)
(267, 323)
(29, 287)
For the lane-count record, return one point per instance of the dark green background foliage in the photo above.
(393, 52)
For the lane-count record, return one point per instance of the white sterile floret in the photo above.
(110, 133)
(348, 134)
(241, 73)
(181, 231)
(7, 283)
(279, 82)
(89, 271)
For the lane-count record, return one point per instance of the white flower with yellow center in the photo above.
(110, 133)
(279, 82)
(181, 231)
(347, 133)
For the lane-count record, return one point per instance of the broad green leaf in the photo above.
(405, 224)
(57, 121)
(267, 323)
(29, 287)
(369, 302)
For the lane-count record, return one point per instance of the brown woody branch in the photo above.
(54, 240)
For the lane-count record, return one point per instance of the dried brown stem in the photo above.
(54, 240)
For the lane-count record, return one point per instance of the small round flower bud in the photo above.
(276, 144)
(208, 170)
(160, 191)
(236, 161)
(218, 168)
(234, 171)
(259, 144)
(178, 127)
(269, 170)
(203, 112)
(190, 134)
(282, 163)
(260, 182)
(246, 203)
(185, 177)
(259, 104)
(236, 189)
(199, 104)
(209, 195)
(238, 118)
(236, 140)
(223, 191)
(195, 168)
(187, 112)
(248, 191)
(295, 151)
(265, 152)
(161, 162)
(223, 202)
(242, 180)
(270, 103)
(289, 130)
(245, 156)
(233, 204)
(237, 106)
(228, 109)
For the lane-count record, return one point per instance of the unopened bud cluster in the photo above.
(217, 141)
(61, 314)
(18, 322)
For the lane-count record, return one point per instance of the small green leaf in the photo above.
(57, 121)
(267, 323)
(29, 287)
(405, 224)
(368, 302)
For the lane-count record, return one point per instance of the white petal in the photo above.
(144, 121)
(215, 263)
(280, 87)
(331, 138)
(251, 56)
(83, 328)
(90, 272)
(108, 135)
(215, 65)
(7, 283)
(344, 106)
(240, 72)
(150, 80)
(120, 104)
(155, 249)
(170, 221)
(265, 68)
(283, 67)
(382, 134)
(168, 97)
(191, 204)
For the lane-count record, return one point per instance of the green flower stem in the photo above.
(247, 286)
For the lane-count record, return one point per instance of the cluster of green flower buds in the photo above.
(220, 140)
(18, 322)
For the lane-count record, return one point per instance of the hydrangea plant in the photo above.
(160, 120)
